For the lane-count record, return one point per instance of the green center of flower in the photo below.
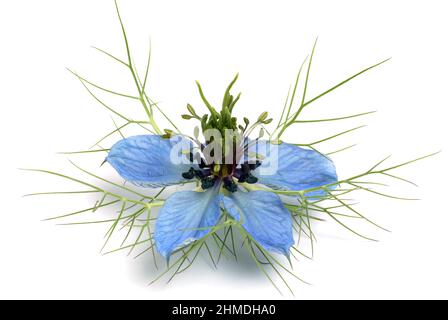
(228, 170)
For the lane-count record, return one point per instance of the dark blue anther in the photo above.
(202, 163)
(230, 185)
(200, 174)
(189, 174)
(253, 166)
(251, 179)
(208, 182)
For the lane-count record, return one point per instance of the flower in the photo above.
(186, 216)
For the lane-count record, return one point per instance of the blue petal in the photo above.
(182, 215)
(145, 161)
(265, 218)
(297, 169)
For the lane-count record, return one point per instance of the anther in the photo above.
(189, 174)
(230, 185)
(255, 165)
(245, 167)
(199, 174)
(202, 163)
(251, 179)
(207, 182)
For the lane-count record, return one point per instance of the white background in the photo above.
(45, 110)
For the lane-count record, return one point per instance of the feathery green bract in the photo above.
(135, 212)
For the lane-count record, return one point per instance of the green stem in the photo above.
(134, 76)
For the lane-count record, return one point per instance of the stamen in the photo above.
(245, 168)
(248, 177)
(251, 179)
(255, 165)
(230, 185)
(208, 182)
(208, 174)
(189, 174)
(199, 174)
(202, 164)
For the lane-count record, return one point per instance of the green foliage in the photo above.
(136, 212)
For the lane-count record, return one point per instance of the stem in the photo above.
(134, 76)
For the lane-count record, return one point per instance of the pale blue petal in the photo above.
(145, 161)
(264, 217)
(181, 217)
(297, 169)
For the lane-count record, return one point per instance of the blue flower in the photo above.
(146, 160)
